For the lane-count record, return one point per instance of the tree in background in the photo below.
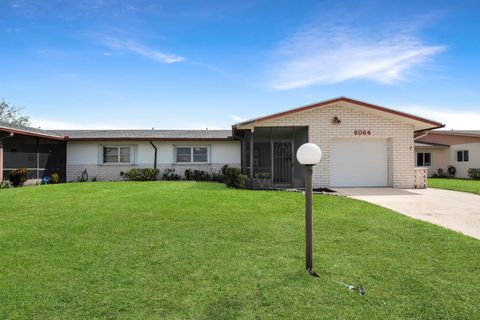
(12, 114)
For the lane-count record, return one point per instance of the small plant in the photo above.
(94, 179)
(83, 177)
(263, 179)
(141, 174)
(452, 171)
(5, 184)
(54, 178)
(169, 174)
(234, 178)
(474, 173)
(18, 177)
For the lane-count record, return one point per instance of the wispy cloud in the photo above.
(326, 54)
(134, 47)
(455, 119)
(236, 118)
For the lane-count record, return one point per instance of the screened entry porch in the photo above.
(268, 156)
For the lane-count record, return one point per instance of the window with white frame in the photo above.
(195, 154)
(462, 156)
(424, 159)
(116, 154)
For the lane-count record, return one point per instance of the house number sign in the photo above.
(362, 132)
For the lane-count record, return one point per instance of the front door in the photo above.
(282, 163)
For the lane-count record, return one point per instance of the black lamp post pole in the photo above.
(309, 219)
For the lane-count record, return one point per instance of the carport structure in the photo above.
(40, 153)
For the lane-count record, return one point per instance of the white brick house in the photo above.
(362, 144)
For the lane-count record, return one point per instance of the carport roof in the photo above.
(29, 131)
(430, 145)
(475, 133)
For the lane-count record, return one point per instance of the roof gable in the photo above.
(420, 123)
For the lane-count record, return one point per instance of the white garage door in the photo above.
(359, 162)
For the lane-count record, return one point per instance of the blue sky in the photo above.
(209, 64)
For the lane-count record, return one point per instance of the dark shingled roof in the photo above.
(143, 134)
(120, 134)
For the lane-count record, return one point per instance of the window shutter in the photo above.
(100, 154)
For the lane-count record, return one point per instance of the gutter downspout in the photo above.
(155, 155)
(242, 150)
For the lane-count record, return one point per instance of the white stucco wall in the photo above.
(440, 159)
(83, 155)
(473, 155)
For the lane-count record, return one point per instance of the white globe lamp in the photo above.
(309, 154)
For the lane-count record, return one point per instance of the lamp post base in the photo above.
(312, 273)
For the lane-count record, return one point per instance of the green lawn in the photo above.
(465, 185)
(180, 250)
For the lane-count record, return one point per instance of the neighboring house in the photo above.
(440, 149)
(363, 145)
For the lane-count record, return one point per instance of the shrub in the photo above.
(200, 175)
(234, 178)
(141, 174)
(18, 177)
(217, 177)
(188, 174)
(474, 173)
(54, 178)
(452, 171)
(5, 184)
(169, 174)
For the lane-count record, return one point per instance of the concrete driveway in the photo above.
(455, 210)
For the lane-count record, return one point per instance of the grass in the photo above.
(181, 250)
(465, 185)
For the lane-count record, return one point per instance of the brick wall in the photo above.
(112, 172)
(321, 131)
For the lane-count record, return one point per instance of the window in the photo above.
(200, 154)
(184, 154)
(116, 155)
(462, 156)
(424, 159)
(191, 154)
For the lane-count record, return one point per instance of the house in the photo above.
(363, 145)
(440, 149)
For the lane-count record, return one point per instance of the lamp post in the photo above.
(309, 154)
